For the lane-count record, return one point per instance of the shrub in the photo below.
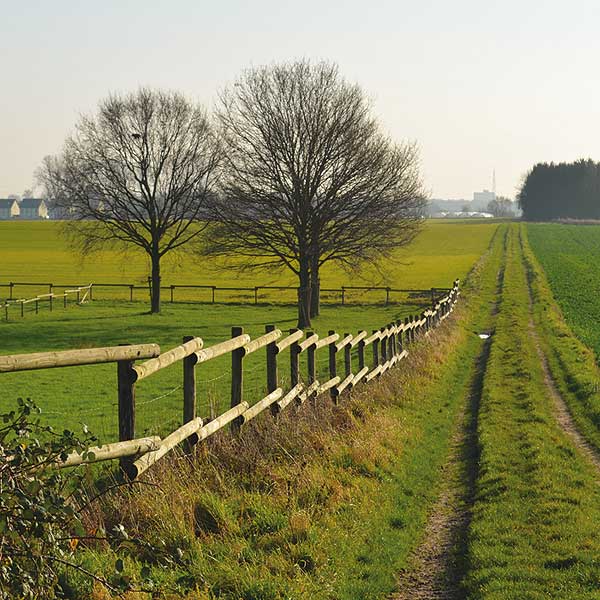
(40, 524)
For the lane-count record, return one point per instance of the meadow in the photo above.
(69, 397)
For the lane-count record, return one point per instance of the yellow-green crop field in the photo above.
(34, 251)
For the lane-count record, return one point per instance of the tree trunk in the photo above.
(304, 295)
(315, 289)
(155, 290)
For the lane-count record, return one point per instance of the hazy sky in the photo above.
(480, 85)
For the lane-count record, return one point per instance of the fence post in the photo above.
(361, 355)
(384, 341)
(91, 292)
(433, 298)
(50, 298)
(272, 376)
(256, 295)
(10, 290)
(213, 293)
(392, 343)
(294, 361)
(343, 295)
(78, 296)
(22, 309)
(375, 351)
(130, 293)
(189, 391)
(6, 311)
(50, 286)
(332, 364)
(126, 392)
(172, 290)
(311, 363)
(399, 339)
(237, 376)
(347, 358)
(387, 296)
(36, 306)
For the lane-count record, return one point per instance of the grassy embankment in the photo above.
(73, 396)
(326, 503)
(570, 256)
(534, 529)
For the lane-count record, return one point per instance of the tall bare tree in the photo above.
(309, 178)
(138, 173)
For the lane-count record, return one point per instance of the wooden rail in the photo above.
(388, 344)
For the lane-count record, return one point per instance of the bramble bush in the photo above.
(40, 523)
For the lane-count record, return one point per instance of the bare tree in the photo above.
(138, 173)
(501, 207)
(309, 178)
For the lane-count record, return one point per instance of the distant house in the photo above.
(9, 208)
(33, 208)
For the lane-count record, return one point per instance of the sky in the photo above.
(480, 86)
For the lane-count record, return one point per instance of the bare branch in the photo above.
(140, 172)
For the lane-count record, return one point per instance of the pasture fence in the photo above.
(82, 294)
(214, 294)
(389, 345)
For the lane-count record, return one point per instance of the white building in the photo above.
(482, 199)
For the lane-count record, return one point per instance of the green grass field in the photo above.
(568, 316)
(333, 501)
(73, 396)
(569, 255)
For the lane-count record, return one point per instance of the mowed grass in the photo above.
(69, 397)
(75, 395)
(533, 532)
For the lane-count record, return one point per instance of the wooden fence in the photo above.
(81, 293)
(218, 294)
(389, 345)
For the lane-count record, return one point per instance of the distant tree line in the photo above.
(561, 190)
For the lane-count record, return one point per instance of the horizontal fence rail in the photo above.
(388, 346)
(251, 295)
(82, 293)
